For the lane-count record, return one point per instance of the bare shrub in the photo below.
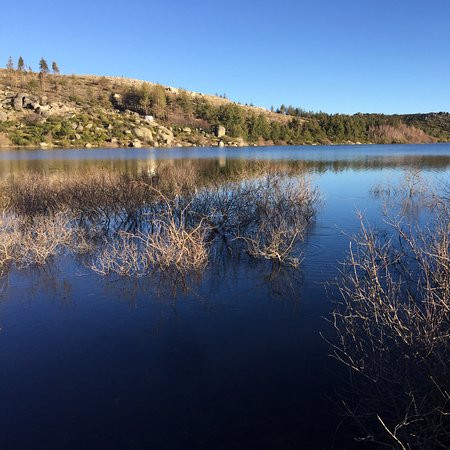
(9, 238)
(389, 134)
(282, 208)
(167, 219)
(121, 255)
(392, 329)
(168, 244)
(33, 241)
(174, 242)
(4, 140)
(42, 238)
(275, 243)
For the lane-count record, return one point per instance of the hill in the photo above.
(52, 110)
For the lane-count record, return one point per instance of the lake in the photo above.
(235, 360)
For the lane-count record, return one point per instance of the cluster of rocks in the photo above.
(155, 135)
(142, 130)
(12, 104)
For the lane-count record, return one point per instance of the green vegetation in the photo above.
(97, 110)
(293, 125)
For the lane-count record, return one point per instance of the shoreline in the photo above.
(113, 147)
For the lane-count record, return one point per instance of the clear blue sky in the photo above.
(331, 55)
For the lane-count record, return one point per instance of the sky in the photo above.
(337, 56)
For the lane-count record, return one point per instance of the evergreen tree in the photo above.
(43, 66)
(55, 68)
(43, 71)
(20, 64)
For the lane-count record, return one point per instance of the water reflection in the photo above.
(313, 159)
(231, 357)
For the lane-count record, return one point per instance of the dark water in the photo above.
(235, 362)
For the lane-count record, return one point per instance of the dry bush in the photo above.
(4, 140)
(387, 134)
(9, 238)
(170, 218)
(412, 184)
(34, 241)
(392, 328)
(274, 243)
(42, 238)
(281, 210)
(122, 255)
(174, 243)
(168, 244)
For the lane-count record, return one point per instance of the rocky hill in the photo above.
(88, 111)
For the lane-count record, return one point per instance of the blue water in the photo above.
(234, 362)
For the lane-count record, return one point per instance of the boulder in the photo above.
(88, 145)
(43, 110)
(221, 144)
(240, 142)
(144, 134)
(187, 130)
(136, 143)
(165, 135)
(18, 101)
(3, 116)
(220, 131)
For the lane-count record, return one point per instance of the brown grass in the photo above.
(170, 219)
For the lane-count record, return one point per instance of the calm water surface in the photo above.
(234, 362)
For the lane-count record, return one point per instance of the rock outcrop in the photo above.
(221, 131)
(144, 134)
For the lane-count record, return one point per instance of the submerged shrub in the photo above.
(392, 328)
(34, 241)
(168, 219)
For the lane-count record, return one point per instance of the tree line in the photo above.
(301, 126)
(20, 68)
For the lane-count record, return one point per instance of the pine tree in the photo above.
(21, 68)
(55, 68)
(20, 64)
(43, 71)
(43, 66)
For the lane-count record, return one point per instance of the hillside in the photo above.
(51, 110)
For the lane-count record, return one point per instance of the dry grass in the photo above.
(167, 220)
(169, 243)
(34, 241)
